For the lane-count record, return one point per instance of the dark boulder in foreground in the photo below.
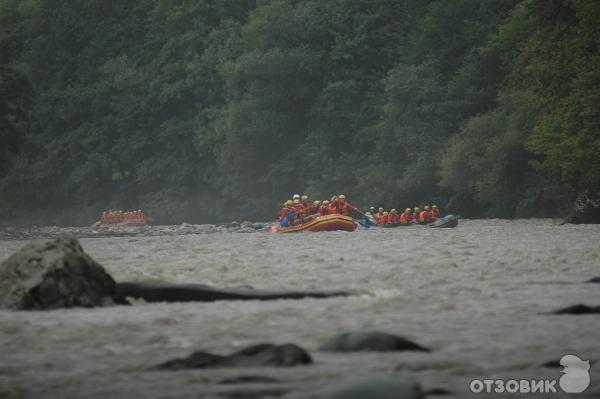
(369, 341)
(165, 292)
(262, 355)
(578, 309)
(378, 388)
(594, 280)
(54, 274)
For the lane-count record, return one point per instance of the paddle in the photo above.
(363, 220)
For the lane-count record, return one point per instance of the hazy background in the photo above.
(218, 110)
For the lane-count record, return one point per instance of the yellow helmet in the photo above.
(288, 203)
(385, 213)
(326, 202)
(407, 210)
(342, 196)
(434, 206)
(380, 209)
(334, 198)
(305, 197)
(317, 202)
(393, 211)
(296, 201)
(426, 208)
(417, 209)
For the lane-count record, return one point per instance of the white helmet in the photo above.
(296, 196)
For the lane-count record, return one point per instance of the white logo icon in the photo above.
(576, 377)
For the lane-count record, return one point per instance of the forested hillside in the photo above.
(213, 110)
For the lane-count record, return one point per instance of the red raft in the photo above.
(99, 225)
(321, 223)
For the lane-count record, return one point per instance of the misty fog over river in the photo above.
(478, 295)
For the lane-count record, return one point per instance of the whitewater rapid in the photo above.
(477, 295)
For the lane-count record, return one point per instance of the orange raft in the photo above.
(320, 223)
(127, 223)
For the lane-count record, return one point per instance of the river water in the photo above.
(477, 295)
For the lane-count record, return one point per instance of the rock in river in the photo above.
(369, 341)
(578, 309)
(54, 274)
(261, 355)
(378, 388)
(166, 292)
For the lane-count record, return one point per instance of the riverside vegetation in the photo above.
(218, 109)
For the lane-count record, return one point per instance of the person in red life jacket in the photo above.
(416, 213)
(333, 205)
(324, 208)
(393, 217)
(283, 212)
(377, 216)
(103, 217)
(306, 206)
(343, 207)
(314, 208)
(406, 217)
(425, 217)
(435, 212)
(297, 208)
(384, 219)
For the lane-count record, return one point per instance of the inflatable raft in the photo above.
(100, 225)
(448, 221)
(321, 223)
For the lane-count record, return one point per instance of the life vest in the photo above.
(384, 219)
(435, 214)
(283, 213)
(333, 209)
(324, 210)
(424, 217)
(392, 218)
(344, 209)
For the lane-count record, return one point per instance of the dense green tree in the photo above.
(220, 109)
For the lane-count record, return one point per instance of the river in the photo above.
(478, 295)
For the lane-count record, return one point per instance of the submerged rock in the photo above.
(165, 292)
(378, 388)
(369, 341)
(249, 379)
(261, 355)
(54, 274)
(594, 280)
(578, 309)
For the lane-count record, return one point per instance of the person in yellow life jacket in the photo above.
(424, 216)
(384, 218)
(343, 207)
(393, 217)
(406, 217)
(324, 208)
(435, 212)
(416, 212)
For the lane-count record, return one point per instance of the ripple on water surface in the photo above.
(477, 295)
